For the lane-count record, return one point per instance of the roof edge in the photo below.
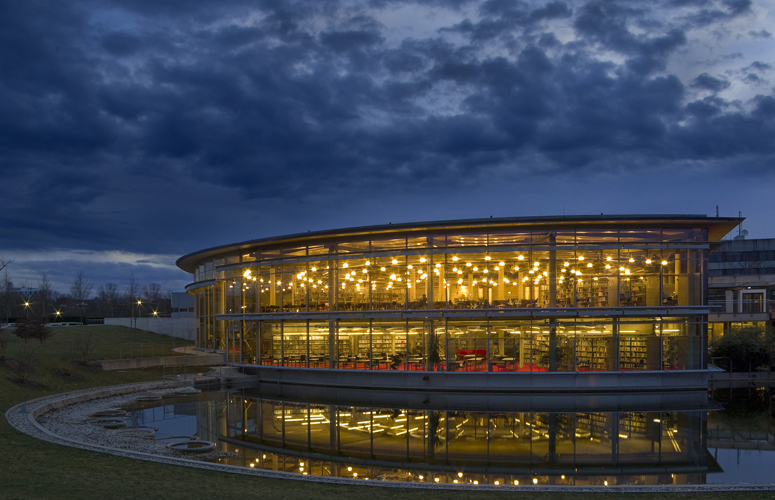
(187, 262)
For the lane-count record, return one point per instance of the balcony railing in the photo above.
(756, 306)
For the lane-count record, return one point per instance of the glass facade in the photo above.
(473, 296)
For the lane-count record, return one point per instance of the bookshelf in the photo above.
(383, 343)
(632, 352)
(594, 425)
(592, 353)
(632, 424)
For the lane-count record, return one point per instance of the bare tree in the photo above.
(80, 291)
(4, 263)
(6, 291)
(108, 297)
(132, 293)
(45, 293)
(132, 289)
(153, 294)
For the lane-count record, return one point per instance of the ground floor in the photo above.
(535, 345)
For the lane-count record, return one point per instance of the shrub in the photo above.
(24, 362)
(22, 329)
(3, 344)
(746, 347)
(78, 348)
(63, 369)
(33, 328)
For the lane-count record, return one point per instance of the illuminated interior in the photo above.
(499, 295)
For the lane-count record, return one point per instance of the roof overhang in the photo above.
(717, 228)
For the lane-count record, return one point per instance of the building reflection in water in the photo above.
(523, 448)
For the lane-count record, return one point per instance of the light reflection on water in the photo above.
(524, 448)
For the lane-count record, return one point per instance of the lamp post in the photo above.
(139, 303)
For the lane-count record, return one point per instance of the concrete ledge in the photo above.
(186, 360)
(472, 391)
(485, 382)
(727, 380)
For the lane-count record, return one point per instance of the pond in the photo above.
(726, 446)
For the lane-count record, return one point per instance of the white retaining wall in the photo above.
(182, 328)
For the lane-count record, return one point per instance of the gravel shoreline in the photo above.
(74, 425)
(76, 422)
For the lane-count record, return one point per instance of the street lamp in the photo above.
(139, 303)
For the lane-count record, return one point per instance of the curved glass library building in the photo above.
(582, 295)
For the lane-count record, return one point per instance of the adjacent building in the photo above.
(741, 284)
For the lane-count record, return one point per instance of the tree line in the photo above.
(83, 300)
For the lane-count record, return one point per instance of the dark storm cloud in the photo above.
(608, 24)
(713, 13)
(121, 44)
(760, 34)
(758, 66)
(500, 17)
(129, 123)
(707, 82)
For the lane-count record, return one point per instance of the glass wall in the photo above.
(538, 345)
(589, 269)
(480, 286)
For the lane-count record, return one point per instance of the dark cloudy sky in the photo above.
(135, 131)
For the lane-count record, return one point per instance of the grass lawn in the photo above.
(30, 468)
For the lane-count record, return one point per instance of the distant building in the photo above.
(26, 292)
(741, 284)
(182, 305)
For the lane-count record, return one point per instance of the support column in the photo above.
(501, 288)
(429, 283)
(333, 345)
(553, 345)
(613, 351)
(552, 271)
(272, 287)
